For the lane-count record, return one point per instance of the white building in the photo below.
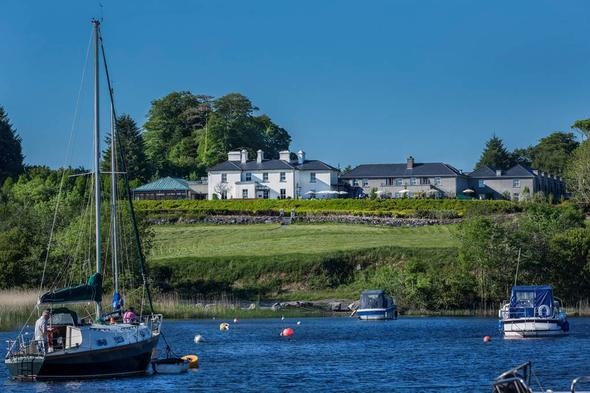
(239, 178)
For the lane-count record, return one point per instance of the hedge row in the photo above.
(424, 208)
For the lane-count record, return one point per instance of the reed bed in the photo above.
(16, 305)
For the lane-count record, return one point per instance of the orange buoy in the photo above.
(487, 339)
(287, 332)
(193, 360)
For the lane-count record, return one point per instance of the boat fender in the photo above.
(544, 311)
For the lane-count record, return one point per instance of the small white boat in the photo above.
(170, 365)
(376, 305)
(518, 380)
(532, 312)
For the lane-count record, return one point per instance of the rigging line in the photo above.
(68, 148)
(127, 188)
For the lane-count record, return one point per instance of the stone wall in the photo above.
(307, 219)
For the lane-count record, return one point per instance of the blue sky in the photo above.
(353, 82)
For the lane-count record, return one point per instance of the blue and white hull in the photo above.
(374, 314)
(533, 327)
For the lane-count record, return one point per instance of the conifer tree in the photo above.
(495, 155)
(11, 156)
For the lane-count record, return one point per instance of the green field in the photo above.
(179, 241)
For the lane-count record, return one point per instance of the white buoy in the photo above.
(198, 338)
(235, 320)
(282, 318)
(298, 322)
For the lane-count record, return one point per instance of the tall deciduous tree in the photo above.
(578, 175)
(494, 155)
(553, 152)
(11, 156)
(174, 120)
(131, 140)
(583, 126)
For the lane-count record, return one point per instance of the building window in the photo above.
(264, 194)
(413, 181)
(437, 181)
(265, 177)
(424, 180)
(283, 193)
(312, 177)
(516, 183)
(223, 194)
(355, 182)
(398, 182)
(283, 176)
(224, 177)
(515, 196)
(365, 182)
(245, 193)
(248, 176)
(481, 183)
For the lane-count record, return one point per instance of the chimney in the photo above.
(244, 156)
(234, 155)
(259, 156)
(498, 172)
(285, 155)
(300, 157)
(410, 162)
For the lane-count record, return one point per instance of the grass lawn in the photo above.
(200, 240)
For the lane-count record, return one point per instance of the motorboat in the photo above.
(532, 312)
(375, 304)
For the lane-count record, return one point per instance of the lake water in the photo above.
(411, 354)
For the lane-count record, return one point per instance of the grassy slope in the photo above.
(199, 241)
(297, 262)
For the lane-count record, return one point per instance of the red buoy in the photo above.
(487, 339)
(287, 332)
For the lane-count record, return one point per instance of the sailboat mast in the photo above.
(114, 243)
(96, 24)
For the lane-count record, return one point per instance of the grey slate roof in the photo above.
(400, 170)
(165, 184)
(517, 170)
(269, 165)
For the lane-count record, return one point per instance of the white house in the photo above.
(239, 178)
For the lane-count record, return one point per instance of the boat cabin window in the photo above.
(523, 298)
(63, 319)
(372, 301)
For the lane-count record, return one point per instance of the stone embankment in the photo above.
(307, 219)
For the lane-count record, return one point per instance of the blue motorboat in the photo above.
(532, 312)
(376, 305)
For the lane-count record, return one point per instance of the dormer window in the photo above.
(248, 176)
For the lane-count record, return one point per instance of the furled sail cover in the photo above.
(91, 291)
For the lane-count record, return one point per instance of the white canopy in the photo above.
(468, 191)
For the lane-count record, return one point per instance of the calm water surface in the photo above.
(344, 354)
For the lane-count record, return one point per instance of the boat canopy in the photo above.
(91, 291)
(375, 298)
(531, 296)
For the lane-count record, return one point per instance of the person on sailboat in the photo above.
(130, 316)
(42, 330)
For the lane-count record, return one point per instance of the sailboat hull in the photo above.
(125, 360)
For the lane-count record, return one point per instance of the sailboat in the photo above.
(105, 346)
